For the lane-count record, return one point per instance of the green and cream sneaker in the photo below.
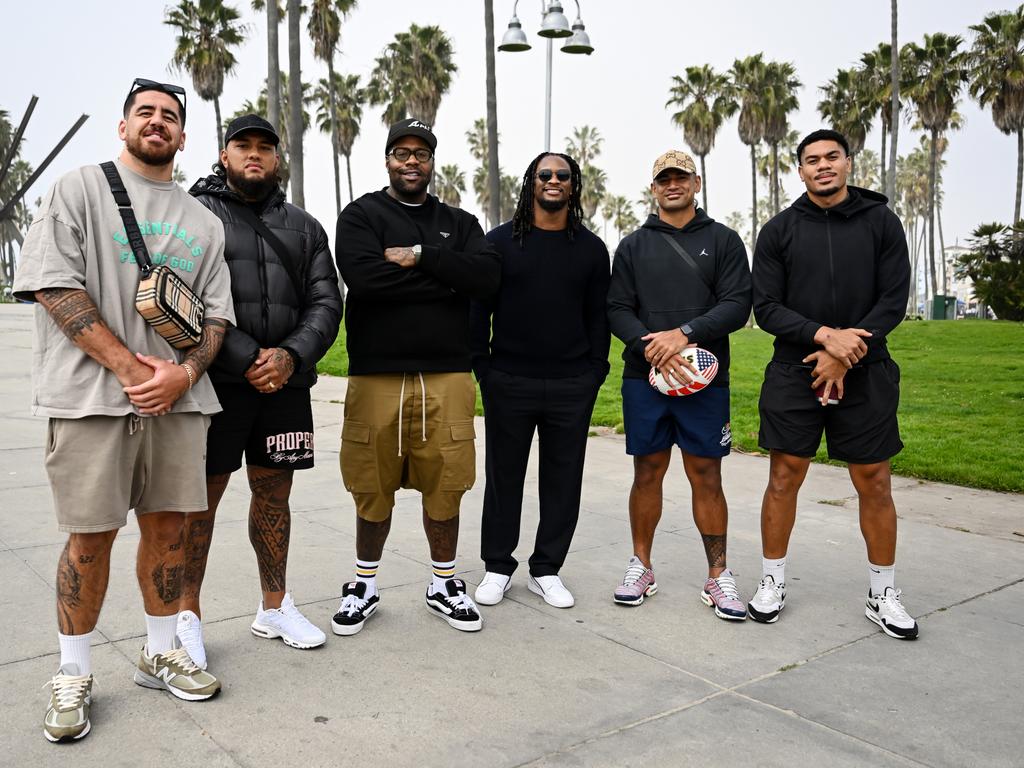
(67, 717)
(176, 673)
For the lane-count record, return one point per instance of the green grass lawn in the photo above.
(961, 401)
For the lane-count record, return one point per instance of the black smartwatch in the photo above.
(687, 331)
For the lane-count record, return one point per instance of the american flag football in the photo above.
(706, 364)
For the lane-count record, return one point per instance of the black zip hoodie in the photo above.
(399, 319)
(654, 289)
(842, 267)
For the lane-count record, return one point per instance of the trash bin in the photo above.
(943, 307)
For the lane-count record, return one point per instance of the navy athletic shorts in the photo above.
(697, 423)
(273, 430)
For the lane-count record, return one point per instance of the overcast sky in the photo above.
(82, 55)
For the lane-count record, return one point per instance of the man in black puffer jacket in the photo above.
(288, 307)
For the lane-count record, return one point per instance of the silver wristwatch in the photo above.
(417, 251)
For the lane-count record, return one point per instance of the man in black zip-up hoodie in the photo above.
(411, 265)
(831, 279)
(288, 309)
(682, 279)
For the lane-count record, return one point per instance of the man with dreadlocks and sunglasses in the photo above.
(540, 352)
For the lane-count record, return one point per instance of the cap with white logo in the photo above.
(411, 127)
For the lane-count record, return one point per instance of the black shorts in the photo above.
(861, 429)
(274, 430)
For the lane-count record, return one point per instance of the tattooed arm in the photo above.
(77, 316)
(271, 369)
(170, 381)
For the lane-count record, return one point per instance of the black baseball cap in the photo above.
(250, 122)
(411, 127)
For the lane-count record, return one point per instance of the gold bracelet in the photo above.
(190, 373)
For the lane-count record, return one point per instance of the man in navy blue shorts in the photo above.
(682, 279)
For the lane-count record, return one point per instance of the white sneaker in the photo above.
(289, 624)
(190, 635)
(493, 588)
(552, 590)
(768, 602)
(887, 611)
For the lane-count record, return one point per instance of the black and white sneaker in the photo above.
(355, 608)
(888, 612)
(455, 607)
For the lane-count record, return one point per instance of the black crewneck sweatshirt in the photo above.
(548, 319)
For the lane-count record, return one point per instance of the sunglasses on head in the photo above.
(172, 90)
(561, 174)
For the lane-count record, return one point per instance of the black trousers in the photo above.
(559, 411)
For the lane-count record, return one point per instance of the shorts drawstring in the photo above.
(135, 424)
(401, 400)
(423, 405)
(423, 409)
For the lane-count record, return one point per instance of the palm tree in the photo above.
(325, 28)
(295, 126)
(748, 82)
(260, 107)
(894, 124)
(647, 202)
(618, 211)
(876, 69)
(936, 73)
(780, 99)
(478, 143)
(343, 119)
(704, 102)
(847, 106)
(997, 78)
(510, 184)
(207, 30)
(451, 184)
(274, 15)
(584, 145)
(787, 162)
(412, 74)
(595, 182)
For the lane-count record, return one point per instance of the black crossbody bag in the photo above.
(260, 226)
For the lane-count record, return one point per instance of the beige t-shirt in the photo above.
(77, 240)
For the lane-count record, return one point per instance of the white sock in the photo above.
(160, 632)
(74, 649)
(881, 576)
(366, 572)
(774, 568)
(442, 572)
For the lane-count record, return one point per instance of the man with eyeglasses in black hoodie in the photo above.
(831, 280)
(411, 265)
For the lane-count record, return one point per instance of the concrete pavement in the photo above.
(665, 684)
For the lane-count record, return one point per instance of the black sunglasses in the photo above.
(546, 174)
(174, 91)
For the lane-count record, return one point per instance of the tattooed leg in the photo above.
(370, 538)
(710, 512)
(160, 562)
(198, 537)
(270, 524)
(82, 574)
(443, 537)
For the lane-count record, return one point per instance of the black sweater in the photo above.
(268, 311)
(548, 319)
(411, 319)
(654, 289)
(844, 267)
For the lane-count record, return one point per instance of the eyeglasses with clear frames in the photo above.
(402, 154)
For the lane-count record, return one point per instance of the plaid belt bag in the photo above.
(164, 300)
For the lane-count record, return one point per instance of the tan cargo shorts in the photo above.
(102, 466)
(409, 431)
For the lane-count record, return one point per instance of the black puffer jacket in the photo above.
(267, 309)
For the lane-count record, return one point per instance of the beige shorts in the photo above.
(409, 431)
(102, 466)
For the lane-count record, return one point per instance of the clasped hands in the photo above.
(662, 351)
(843, 348)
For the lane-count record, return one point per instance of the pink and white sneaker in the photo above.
(721, 593)
(637, 584)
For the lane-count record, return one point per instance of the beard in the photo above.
(410, 189)
(551, 206)
(253, 189)
(150, 155)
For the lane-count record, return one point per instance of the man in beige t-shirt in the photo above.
(127, 412)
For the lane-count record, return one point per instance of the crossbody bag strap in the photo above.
(131, 226)
(688, 259)
(283, 256)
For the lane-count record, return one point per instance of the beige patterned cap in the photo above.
(674, 159)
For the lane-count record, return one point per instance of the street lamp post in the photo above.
(553, 25)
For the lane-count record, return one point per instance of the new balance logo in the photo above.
(165, 674)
